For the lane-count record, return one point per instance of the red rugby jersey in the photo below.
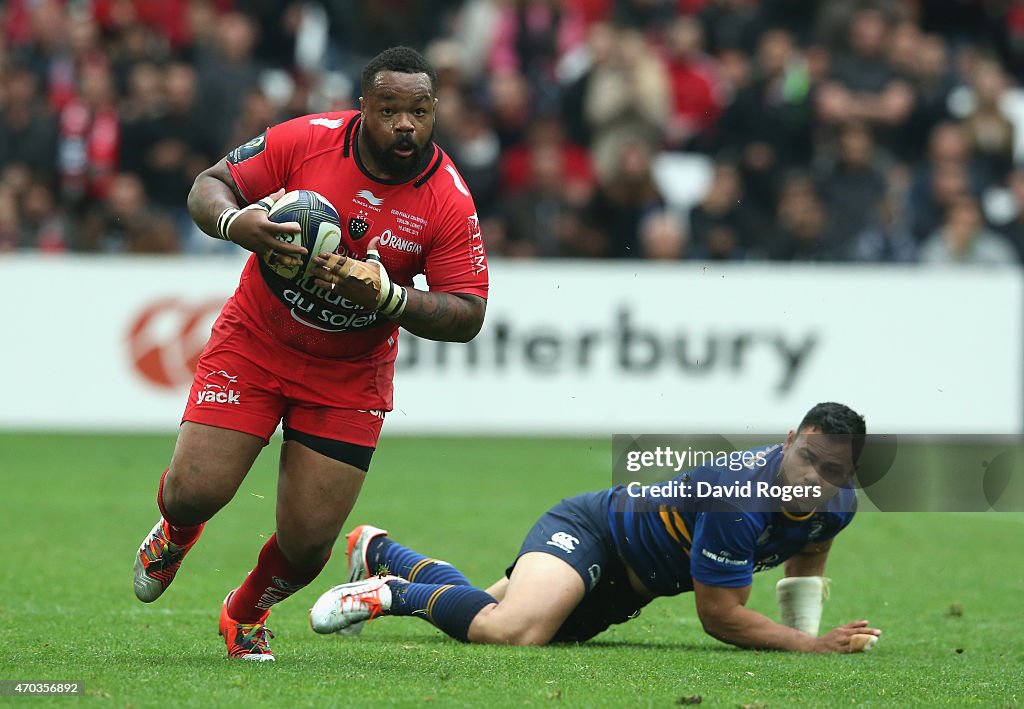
(427, 224)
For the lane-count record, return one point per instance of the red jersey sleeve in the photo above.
(263, 165)
(456, 261)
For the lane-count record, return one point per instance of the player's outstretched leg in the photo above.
(371, 552)
(450, 608)
(158, 560)
(161, 553)
(246, 641)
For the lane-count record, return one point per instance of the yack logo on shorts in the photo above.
(217, 389)
(564, 541)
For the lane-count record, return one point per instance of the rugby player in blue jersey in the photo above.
(596, 559)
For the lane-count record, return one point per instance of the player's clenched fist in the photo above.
(251, 228)
(364, 282)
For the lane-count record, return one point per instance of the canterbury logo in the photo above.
(329, 123)
(370, 197)
(564, 541)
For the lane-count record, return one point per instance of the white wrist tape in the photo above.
(800, 601)
(229, 215)
(392, 298)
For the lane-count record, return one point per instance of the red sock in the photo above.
(178, 534)
(273, 580)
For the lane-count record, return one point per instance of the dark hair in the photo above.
(404, 60)
(837, 420)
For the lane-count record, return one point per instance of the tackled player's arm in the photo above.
(448, 317)
(809, 561)
(724, 615)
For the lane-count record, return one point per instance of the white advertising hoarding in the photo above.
(568, 347)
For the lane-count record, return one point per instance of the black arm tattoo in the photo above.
(448, 317)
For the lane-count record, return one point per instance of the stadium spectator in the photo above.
(318, 354)
(931, 81)
(663, 236)
(853, 183)
(949, 171)
(769, 123)
(543, 218)
(886, 237)
(802, 225)
(730, 25)
(529, 38)
(863, 85)
(989, 132)
(721, 224)
(511, 112)
(28, 127)
(598, 558)
(10, 219)
(547, 134)
(90, 137)
(125, 220)
(696, 87)
(627, 91)
(228, 71)
(1013, 228)
(964, 239)
(626, 192)
(44, 227)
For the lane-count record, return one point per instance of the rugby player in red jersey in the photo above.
(316, 354)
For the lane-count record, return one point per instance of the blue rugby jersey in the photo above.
(669, 541)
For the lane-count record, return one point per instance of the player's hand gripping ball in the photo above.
(321, 230)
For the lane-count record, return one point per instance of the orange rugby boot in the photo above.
(246, 641)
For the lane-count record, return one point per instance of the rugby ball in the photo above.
(321, 230)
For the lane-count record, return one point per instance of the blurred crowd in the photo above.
(787, 130)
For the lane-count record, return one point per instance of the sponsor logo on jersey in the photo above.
(380, 414)
(328, 123)
(450, 169)
(321, 309)
(217, 389)
(564, 541)
(358, 226)
(723, 557)
(248, 150)
(477, 257)
(393, 241)
(370, 197)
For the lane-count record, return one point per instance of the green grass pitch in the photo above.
(947, 590)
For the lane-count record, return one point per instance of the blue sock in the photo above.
(449, 608)
(383, 553)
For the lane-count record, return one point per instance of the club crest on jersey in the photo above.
(358, 226)
(248, 150)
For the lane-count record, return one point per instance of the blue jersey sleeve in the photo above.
(724, 544)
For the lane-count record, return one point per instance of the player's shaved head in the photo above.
(403, 60)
